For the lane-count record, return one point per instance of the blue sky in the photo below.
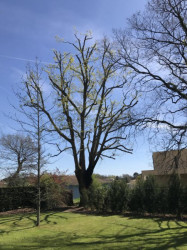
(28, 29)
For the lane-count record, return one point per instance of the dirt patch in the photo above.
(75, 209)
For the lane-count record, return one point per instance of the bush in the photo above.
(17, 197)
(118, 196)
(184, 201)
(113, 197)
(136, 201)
(55, 194)
(150, 195)
(161, 204)
(175, 193)
(96, 195)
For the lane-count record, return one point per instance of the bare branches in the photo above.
(19, 151)
(87, 107)
(154, 50)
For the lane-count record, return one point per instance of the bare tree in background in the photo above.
(89, 107)
(153, 50)
(18, 153)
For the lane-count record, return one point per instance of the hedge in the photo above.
(22, 197)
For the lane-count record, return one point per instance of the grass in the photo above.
(76, 201)
(61, 230)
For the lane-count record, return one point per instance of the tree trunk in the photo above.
(38, 163)
(83, 196)
(84, 178)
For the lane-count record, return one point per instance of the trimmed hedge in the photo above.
(22, 197)
(17, 197)
(146, 196)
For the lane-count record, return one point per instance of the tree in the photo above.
(89, 109)
(135, 175)
(19, 151)
(154, 50)
(34, 124)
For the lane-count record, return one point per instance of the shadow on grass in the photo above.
(14, 222)
(163, 237)
(55, 214)
(178, 223)
(144, 240)
(127, 237)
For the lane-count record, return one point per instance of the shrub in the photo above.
(17, 197)
(96, 195)
(150, 195)
(55, 194)
(175, 193)
(184, 201)
(146, 196)
(118, 196)
(161, 204)
(113, 197)
(136, 202)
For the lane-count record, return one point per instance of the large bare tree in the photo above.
(153, 49)
(89, 108)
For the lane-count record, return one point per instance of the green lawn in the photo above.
(76, 201)
(60, 230)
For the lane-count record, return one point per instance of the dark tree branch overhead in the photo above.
(154, 50)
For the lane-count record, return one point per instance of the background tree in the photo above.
(89, 108)
(19, 153)
(153, 49)
(135, 175)
(31, 120)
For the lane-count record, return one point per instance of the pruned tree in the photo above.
(19, 153)
(89, 108)
(153, 48)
